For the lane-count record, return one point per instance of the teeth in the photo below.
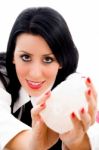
(34, 83)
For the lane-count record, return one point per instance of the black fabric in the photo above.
(57, 146)
(26, 118)
(26, 114)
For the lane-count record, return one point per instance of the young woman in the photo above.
(40, 55)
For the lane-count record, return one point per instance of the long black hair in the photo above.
(49, 24)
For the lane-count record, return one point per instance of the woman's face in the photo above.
(35, 64)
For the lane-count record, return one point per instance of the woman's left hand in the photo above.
(77, 138)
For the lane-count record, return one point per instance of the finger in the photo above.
(85, 119)
(91, 86)
(76, 122)
(38, 124)
(90, 99)
(92, 105)
(75, 133)
(44, 97)
(36, 110)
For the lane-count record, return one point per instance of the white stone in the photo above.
(66, 98)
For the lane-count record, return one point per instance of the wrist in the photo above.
(81, 144)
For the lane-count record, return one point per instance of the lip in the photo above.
(35, 85)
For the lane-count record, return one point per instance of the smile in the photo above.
(35, 85)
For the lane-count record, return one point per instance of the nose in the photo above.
(35, 70)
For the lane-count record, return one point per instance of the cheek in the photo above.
(51, 73)
(21, 71)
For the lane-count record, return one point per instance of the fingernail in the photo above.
(73, 115)
(88, 80)
(89, 92)
(82, 110)
(43, 105)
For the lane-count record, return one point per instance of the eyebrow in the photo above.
(48, 54)
(22, 51)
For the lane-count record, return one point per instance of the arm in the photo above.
(84, 144)
(22, 141)
(9, 125)
(64, 147)
(15, 135)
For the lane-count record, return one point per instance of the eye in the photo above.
(25, 57)
(48, 59)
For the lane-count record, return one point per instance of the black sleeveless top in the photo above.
(25, 109)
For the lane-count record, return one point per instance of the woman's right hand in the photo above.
(77, 138)
(43, 138)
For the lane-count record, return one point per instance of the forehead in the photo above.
(30, 42)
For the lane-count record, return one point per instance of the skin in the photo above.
(36, 68)
(77, 138)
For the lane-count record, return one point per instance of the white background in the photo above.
(82, 17)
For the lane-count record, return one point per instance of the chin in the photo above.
(36, 93)
(39, 92)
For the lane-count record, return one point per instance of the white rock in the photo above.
(67, 97)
